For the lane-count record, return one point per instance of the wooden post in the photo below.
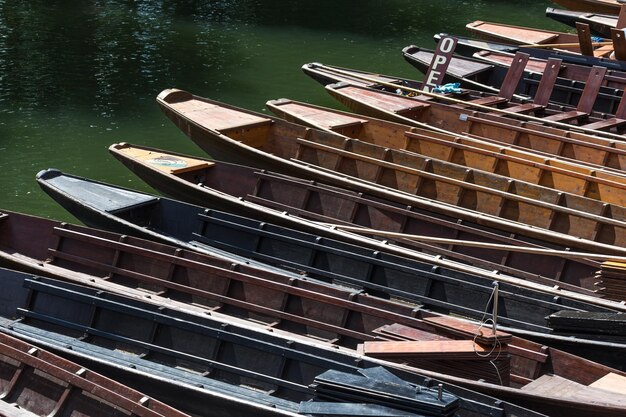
(621, 17)
(584, 39)
(619, 43)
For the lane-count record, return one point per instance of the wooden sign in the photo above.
(439, 64)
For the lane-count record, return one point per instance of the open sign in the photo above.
(439, 64)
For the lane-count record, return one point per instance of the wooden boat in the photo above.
(517, 35)
(593, 151)
(332, 261)
(614, 80)
(221, 368)
(36, 382)
(594, 6)
(468, 46)
(486, 71)
(469, 152)
(599, 24)
(333, 315)
(363, 164)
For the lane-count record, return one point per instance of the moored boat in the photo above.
(466, 151)
(36, 382)
(330, 314)
(567, 88)
(611, 7)
(216, 367)
(518, 35)
(599, 24)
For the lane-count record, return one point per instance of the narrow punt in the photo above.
(216, 368)
(616, 80)
(559, 96)
(599, 24)
(597, 106)
(466, 151)
(468, 46)
(37, 383)
(518, 35)
(611, 7)
(228, 133)
(375, 269)
(595, 151)
(340, 317)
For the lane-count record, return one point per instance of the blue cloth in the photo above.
(597, 39)
(448, 88)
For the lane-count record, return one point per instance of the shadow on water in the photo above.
(78, 76)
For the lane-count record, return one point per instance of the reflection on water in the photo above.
(78, 76)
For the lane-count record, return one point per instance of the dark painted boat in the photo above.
(218, 368)
(486, 71)
(614, 80)
(595, 6)
(599, 24)
(518, 35)
(228, 133)
(38, 383)
(466, 151)
(342, 317)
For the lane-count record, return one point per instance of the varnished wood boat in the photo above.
(333, 315)
(518, 35)
(219, 368)
(466, 151)
(37, 383)
(486, 71)
(595, 6)
(593, 151)
(366, 164)
(599, 24)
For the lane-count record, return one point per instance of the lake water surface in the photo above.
(77, 76)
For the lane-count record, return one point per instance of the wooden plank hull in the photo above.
(375, 269)
(595, 6)
(468, 47)
(268, 374)
(599, 24)
(567, 90)
(592, 151)
(517, 35)
(331, 314)
(39, 382)
(525, 166)
(279, 140)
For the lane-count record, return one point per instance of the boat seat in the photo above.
(587, 98)
(509, 84)
(569, 389)
(525, 108)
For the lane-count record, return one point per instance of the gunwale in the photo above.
(387, 312)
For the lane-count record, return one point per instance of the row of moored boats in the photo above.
(443, 249)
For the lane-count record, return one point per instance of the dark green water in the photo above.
(77, 76)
